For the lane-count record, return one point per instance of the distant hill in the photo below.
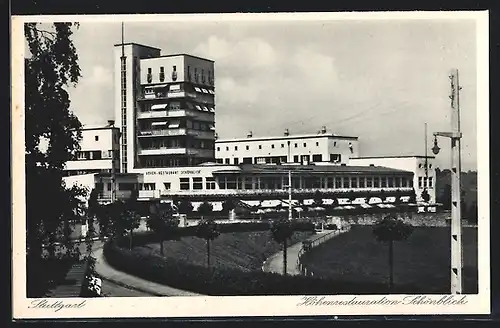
(469, 191)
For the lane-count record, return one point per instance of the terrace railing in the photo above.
(307, 246)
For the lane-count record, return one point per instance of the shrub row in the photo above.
(225, 281)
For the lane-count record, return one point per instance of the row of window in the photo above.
(175, 124)
(96, 154)
(172, 143)
(162, 161)
(197, 77)
(272, 146)
(309, 182)
(425, 182)
(81, 172)
(334, 158)
(420, 166)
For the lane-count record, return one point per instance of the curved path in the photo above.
(274, 263)
(142, 286)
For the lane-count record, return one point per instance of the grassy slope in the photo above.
(243, 250)
(423, 259)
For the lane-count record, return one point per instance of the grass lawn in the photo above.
(422, 260)
(242, 250)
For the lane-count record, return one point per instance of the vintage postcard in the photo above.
(229, 165)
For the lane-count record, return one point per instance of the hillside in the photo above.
(469, 191)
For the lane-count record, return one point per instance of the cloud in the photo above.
(99, 76)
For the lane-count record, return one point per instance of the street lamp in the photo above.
(456, 217)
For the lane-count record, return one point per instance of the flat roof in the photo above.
(393, 156)
(284, 168)
(98, 128)
(289, 137)
(180, 54)
(135, 44)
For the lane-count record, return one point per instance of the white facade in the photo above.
(424, 178)
(98, 146)
(309, 148)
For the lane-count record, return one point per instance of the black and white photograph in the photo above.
(250, 164)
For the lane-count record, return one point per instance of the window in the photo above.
(369, 182)
(316, 158)
(218, 148)
(330, 182)
(296, 158)
(376, 182)
(209, 183)
(247, 147)
(227, 148)
(383, 182)
(219, 161)
(296, 145)
(425, 182)
(162, 74)
(335, 158)
(247, 160)
(390, 182)
(282, 145)
(184, 183)
(197, 183)
(226, 161)
(338, 182)
(162, 69)
(247, 184)
(260, 146)
(420, 182)
(430, 182)
(167, 185)
(354, 182)
(272, 146)
(346, 183)
(96, 138)
(189, 73)
(361, 182)
(305, 145)
(236, 161)
(430, 166)
(235, 147)
(335, 144)
(149, 70)
(317, 144)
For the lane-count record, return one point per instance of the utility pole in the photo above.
(456, 216)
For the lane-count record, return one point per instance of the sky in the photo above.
(378, 80)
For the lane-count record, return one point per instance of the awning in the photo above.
(328, 201)
(159, 106)
(199, 108)
(212, 127)
(204, 90)
(270, 203)
(211, 109)
(217, 206)
(158, 86)
(197, 89)
(174, 124)
(251, 203)
(211, 92)
(205, 109)
(308, 201)
(158, 123)
(175, 87)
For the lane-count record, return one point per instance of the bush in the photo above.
(225, 281)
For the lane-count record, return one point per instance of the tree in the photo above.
(51, 66)
(388, 230)
(125, 217)
(208, 230)
(228, 205)
(281, 231)
(185, 207)
(425, 195)
(162, 222)
(318, 198)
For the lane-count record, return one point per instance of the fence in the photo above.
(308, 245)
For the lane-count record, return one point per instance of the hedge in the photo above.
(225, 282)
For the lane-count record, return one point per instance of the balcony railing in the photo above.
(163, 151)
(163, 132)
(165, 113)
(169, 95)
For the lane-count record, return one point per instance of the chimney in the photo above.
(249, 134)
(111, 123)
(287, 133)
(216, 136)
(323, 129)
